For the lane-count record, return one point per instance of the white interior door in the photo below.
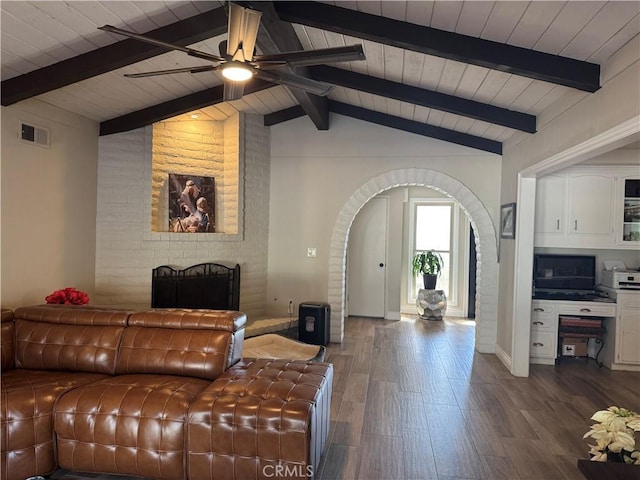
(367, 260)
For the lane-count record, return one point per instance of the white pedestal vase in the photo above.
(432, 304)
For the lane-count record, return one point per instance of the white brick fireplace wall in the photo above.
(128, 248)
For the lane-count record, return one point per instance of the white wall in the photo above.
(575, 118)
(48, 204)
(313, 174)
(127, 250)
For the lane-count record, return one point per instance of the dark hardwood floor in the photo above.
(413, 400)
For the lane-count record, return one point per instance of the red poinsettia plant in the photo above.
(68, 296)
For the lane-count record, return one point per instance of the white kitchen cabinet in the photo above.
(550, 199)
(575, 209)
(627, 330)
(589, 207)
(543, 342)
(627, 205)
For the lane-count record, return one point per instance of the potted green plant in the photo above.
(429, 264)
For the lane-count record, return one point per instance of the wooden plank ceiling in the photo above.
(471, 73)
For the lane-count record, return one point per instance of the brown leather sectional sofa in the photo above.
(157, 394)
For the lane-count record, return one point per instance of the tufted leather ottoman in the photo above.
(261, 419)
(129, 424)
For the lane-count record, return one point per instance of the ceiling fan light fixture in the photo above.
(237, 71)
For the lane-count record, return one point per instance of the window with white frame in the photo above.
(434, 227)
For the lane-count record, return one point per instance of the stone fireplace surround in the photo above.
(132, 206)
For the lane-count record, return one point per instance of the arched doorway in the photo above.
(486, 247)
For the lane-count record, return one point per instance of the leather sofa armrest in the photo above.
(261, 419)
(7, 340)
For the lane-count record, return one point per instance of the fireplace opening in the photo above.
(206, 285)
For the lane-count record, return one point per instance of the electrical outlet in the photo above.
(311, 252)
(291, 307)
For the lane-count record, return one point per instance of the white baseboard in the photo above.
(392, 316)
(542, 361)
(622, 366)
(503, 357)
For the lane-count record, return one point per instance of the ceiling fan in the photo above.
(237, 62)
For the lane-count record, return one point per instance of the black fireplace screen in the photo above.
(206, 285)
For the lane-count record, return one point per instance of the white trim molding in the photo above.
(616, 137)
(503, 357)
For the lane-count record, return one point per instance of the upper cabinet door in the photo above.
(591, 206)
(628, 202)
(550, 202)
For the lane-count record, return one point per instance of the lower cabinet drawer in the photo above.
(543, 344)
(588, 309)
(543, 322)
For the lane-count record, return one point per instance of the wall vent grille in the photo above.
(34, 134)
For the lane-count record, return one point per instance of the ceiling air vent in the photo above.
(34, 134)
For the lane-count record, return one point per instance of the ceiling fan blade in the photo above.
(243, 31)
(205, 68)
(304, 58)
(297, 81)
(232, 90)
(160, 43)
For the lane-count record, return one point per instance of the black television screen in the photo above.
(553, 272)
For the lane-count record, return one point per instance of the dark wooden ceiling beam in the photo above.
(463, 48)
(276, 36)
(418, 128)
(426, 98)
(117, 55)
(285, 115)
(172, 108)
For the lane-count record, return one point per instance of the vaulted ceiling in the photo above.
(471, 73)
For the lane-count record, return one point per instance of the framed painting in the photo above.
(191, 204)
(508, 220)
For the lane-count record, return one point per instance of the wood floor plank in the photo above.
(432, 384)
(384, 367)
(356, 390)
(483, 435)
(348, 426)
(414, 411)
(454, 452)
(466, 394)
(383, 410)
(559, 439)
(340, 461)
(362, 361)
(531, 459)
(341, 370)
(497, 468)
(510, 423)
(419, 462)
(381, 457)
